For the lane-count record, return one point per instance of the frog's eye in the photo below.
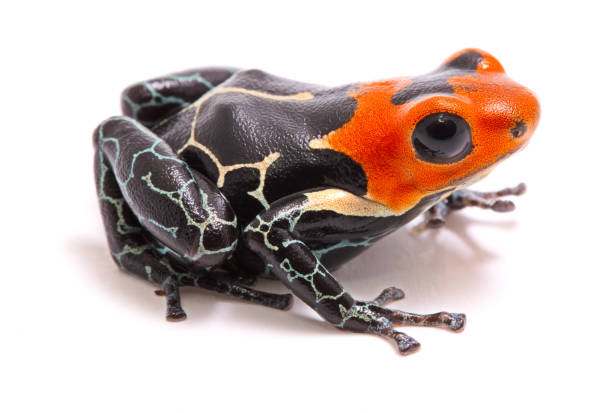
(442, 138)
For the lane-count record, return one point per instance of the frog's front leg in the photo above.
(435, 217)
(280, 236)
(153, 100)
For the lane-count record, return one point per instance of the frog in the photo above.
(217, 177)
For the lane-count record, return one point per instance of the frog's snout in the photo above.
(510, 112)
(503, 106)
(525, 114)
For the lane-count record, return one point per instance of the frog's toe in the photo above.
(520, 189)
(443, 319)
(405, 344)
(435, 222)
(175, 314)
(170, 290)
(433, 218)
(486, 200)
(282, 302)
(388, 294)
(503, 205)
(454, 321)
(368, 316)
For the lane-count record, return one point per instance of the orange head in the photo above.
(436, 132)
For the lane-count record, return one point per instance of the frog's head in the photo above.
(462, 119)
(416, 137)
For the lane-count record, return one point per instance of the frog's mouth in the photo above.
(475, 177)
(481, 173)
(431, 199)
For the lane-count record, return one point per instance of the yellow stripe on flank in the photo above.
(345, 203)
(320, 143)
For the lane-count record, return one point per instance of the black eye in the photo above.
(442, 138)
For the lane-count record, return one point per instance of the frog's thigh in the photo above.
(133, 252)
(182, 209)
(154, 100)
(129, 246)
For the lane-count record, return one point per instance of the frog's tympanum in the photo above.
(217, 176)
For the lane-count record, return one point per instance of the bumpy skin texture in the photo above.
(215, 177)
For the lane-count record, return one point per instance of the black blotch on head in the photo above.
(519, 129)
(437, 82)
(466, 61)
(422, 85)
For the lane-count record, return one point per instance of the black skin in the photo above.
(183, 201)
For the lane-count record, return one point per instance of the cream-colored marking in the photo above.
(218, 90)
(345, 203)
(321, 143)
(263, 165)
(263, 168)
(198, 104)
(258, 93)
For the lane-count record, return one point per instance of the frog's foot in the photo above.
(174, 311)
(435, 217)
(387, 318)
(451, 321)
(219, 283)
(381, 320)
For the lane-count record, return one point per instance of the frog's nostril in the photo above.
(519, 129)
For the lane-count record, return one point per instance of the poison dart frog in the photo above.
(215, 177)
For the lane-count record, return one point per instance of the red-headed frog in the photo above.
(214, 177)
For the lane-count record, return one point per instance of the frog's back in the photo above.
(251, 136)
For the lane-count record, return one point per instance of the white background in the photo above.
(78, 335)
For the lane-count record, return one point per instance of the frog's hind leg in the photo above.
(435, 217)
(134, 253)
(221, 283)
(153, 100)
(128, 242)
(227, 284)
(146, 192)
(178, 207)
(129, 245)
